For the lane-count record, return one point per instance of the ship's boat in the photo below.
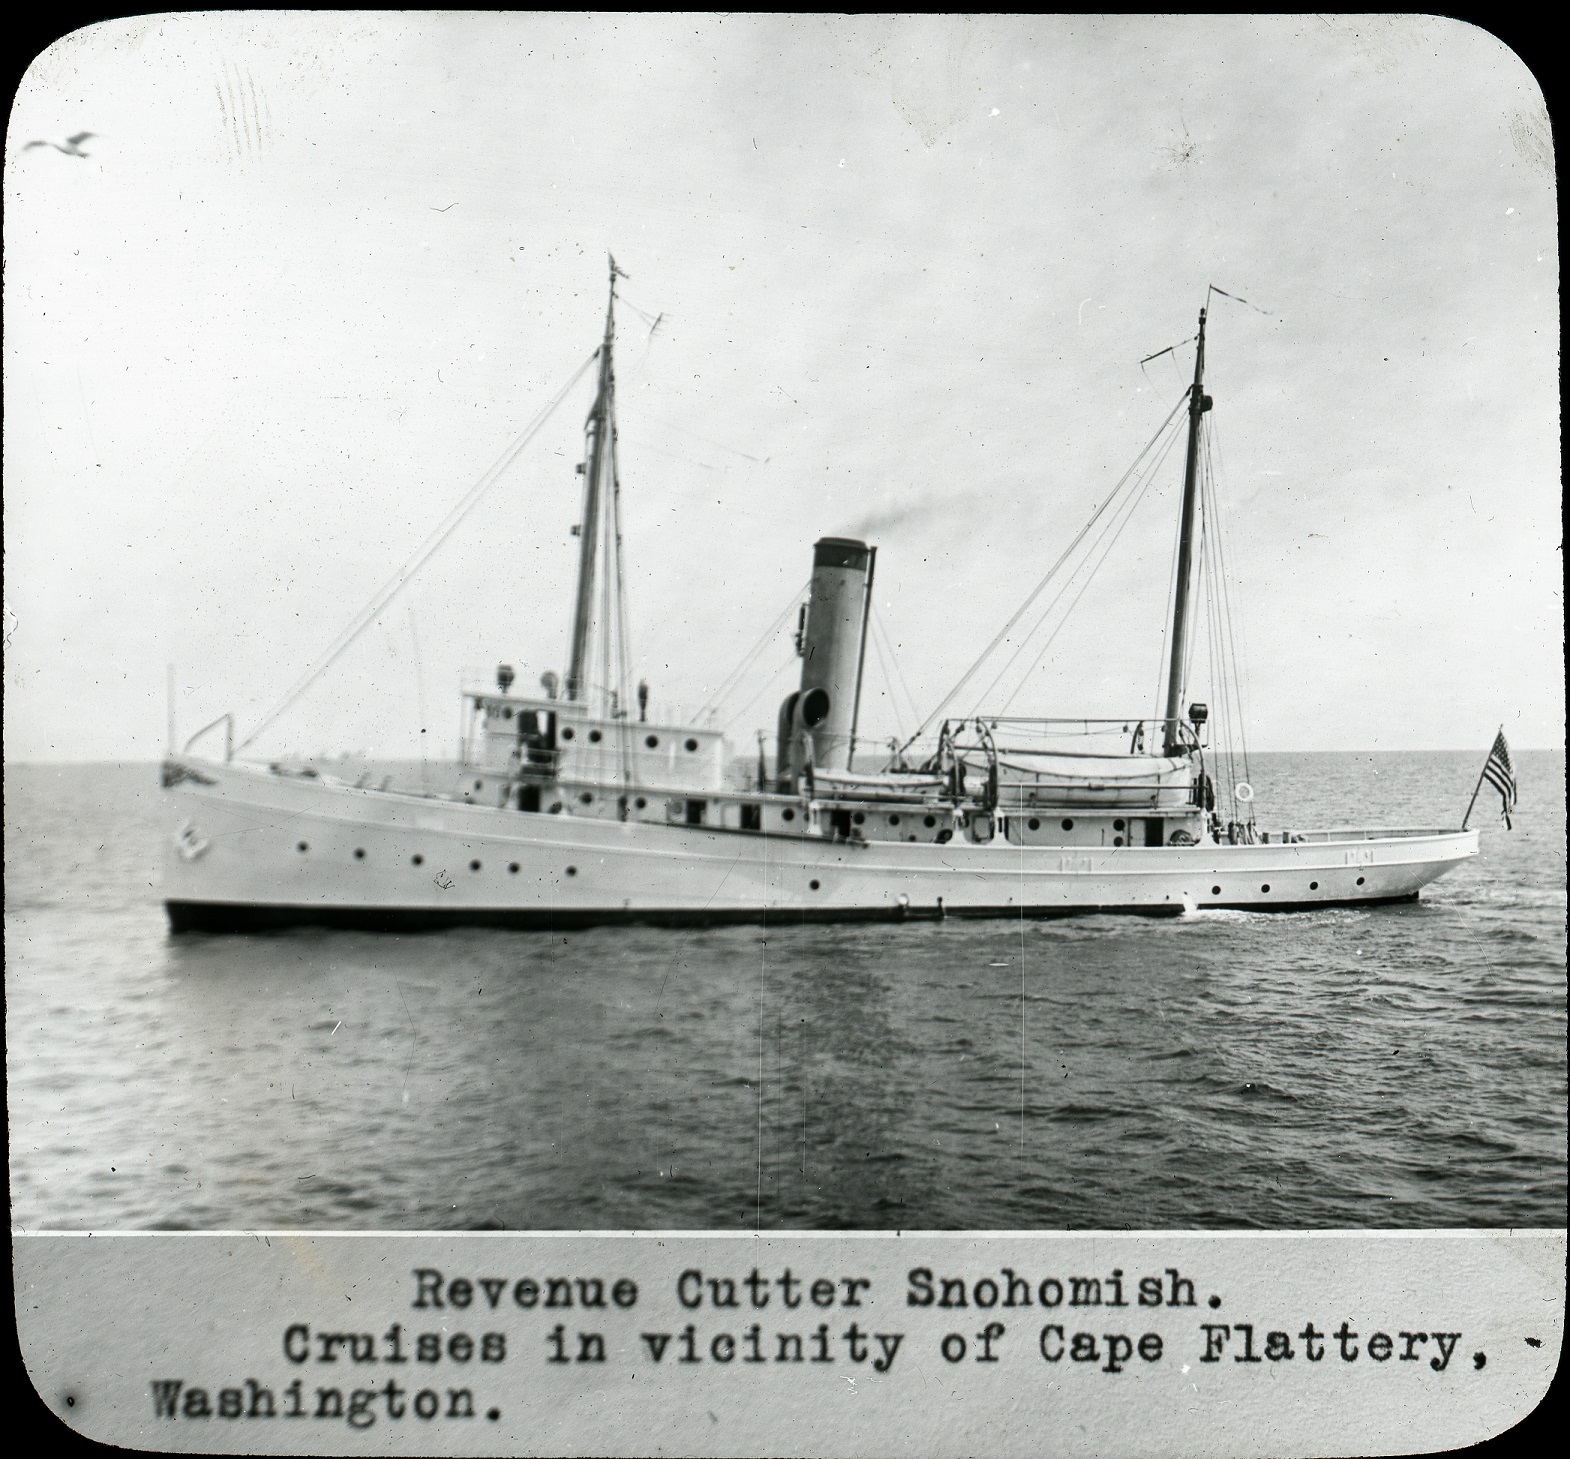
(577, 805)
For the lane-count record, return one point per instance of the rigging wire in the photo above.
(730, 682)
(1040, 587)
(1237, 621)
(1128, 513)
(422, 555)
(881, 628)
(888, 678)
(623, 637)
(1228, 620)
(1114, 525)
(767, 684)
(1166, 623)
(1224, 737)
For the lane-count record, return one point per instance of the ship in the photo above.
(571, 806)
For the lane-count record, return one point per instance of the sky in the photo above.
(317, 271)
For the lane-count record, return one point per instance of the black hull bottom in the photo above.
(245, 917)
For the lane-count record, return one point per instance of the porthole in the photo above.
(1033, 823)
(813, 885)
(359, 853)
(929, 821)
(859, 817)
(587, 798)
(479, 785)
(555, 807)
(1215, 891)
(787, 814)
(1266, 887)
(474, 866)
(572, 871)
(893, 820)
(691, 745)
(1313, 886)
(506, 714)
(1117, 840)
(512, 866)
(640, 802)
(303, 846)
(652, 741)
(594, 737)
(417, 859)
(568, 733)
(1360, 881)
(1118, 825)
(1068, 825)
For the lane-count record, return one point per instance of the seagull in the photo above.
(72, 147)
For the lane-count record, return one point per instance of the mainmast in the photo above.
(1198, 404)
(599, 431)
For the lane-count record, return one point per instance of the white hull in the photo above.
(394, 861)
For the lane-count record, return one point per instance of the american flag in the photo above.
(1500, 774)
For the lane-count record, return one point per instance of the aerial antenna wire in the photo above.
(427, 549)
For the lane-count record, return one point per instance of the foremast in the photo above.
(598, 468)
(1198, 404)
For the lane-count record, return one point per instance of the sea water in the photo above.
(1399, 1066)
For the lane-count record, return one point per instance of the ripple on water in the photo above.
(1330, 1068)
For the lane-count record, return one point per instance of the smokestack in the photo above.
(824, 715)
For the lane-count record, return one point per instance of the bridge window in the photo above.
(652, 741)
(692, 745)
(594, 737)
